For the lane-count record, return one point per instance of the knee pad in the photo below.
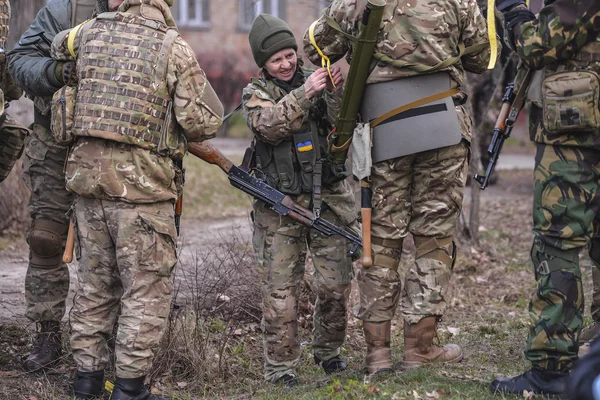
(45, 240)
(441, 249)
(389, 256)
(547, 259)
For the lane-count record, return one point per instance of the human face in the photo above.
(113, 5)
(282, 64)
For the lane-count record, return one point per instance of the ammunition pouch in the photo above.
(383, 260)
(548, 259)
(292, 165)
(426, 127)
(45, 240)
(63, 109)
(436, 249)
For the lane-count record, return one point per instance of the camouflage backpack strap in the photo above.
(81, 10)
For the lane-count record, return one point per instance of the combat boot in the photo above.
(379, 355)
(419, 348)
(88, 385)
(331, 366)
(538, 381)
(47, 348)
(132, 389)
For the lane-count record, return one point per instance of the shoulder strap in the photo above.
(165, 51)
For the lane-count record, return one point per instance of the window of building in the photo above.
(191, 13)
(249, 9)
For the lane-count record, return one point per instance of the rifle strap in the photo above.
(414, 104)
(317, 195)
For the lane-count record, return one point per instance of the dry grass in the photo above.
(213, 347)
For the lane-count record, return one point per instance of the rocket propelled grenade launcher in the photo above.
(277, 201)
(362, 56)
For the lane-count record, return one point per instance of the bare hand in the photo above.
(338, 79)
(315, 83)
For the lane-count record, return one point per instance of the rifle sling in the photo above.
(317, 195)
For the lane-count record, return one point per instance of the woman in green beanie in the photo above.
(290, 111)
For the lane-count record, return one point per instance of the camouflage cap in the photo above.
(267, 36)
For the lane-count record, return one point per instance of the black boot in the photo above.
(47, 348)
(288, 380)
(538, 381)
(333, 365)
(88, 385)
(132, 389)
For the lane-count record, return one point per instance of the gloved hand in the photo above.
(61, 73)
(507, 5)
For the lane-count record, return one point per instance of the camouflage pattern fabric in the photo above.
(46, 289)
(422, 194)
(127, 256)
(151, 175)
(557, 34)
(281, 245)
(421, 32)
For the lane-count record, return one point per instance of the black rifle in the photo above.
(513, 101)
(277, 201)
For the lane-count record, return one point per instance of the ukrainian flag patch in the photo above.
(304, 146)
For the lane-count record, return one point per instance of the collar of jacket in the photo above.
(157, 10)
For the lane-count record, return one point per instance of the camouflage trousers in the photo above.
(422, 194)
(12, 137)
(565, 217)
(281, 245)
(128, 252)
(46, 287)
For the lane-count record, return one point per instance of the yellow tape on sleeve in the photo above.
(492, 34)
(71, 39)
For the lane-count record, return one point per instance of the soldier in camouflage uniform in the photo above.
(12, 135)
(563, 43)
(143, 80)
(419, 193)
(47, 279)
(290, 119)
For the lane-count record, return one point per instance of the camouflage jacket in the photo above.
(127, 172)
(560, 30)
(419, 32)
(273, 115)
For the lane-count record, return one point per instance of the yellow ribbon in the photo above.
(492, 35)
(325, 61)
(71, 39)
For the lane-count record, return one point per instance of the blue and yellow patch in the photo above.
(304, 146)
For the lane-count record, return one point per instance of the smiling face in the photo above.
(282, 64)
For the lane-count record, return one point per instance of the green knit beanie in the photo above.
(269, 35)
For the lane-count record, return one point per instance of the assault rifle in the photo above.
(277, 201)
(513, 101)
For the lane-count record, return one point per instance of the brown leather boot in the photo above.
(419, 348)
(47, 348)
(377, 336)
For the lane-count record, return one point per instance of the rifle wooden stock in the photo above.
(503, 116)
(366, 210)
(70, 245)
(209, 153)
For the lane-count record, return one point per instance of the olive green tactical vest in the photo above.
(81, 10)
(290, 166)
(122, 93)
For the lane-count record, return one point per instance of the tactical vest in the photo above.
(4, 22)
(81, 10)
(299, 163)
(122, 93)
